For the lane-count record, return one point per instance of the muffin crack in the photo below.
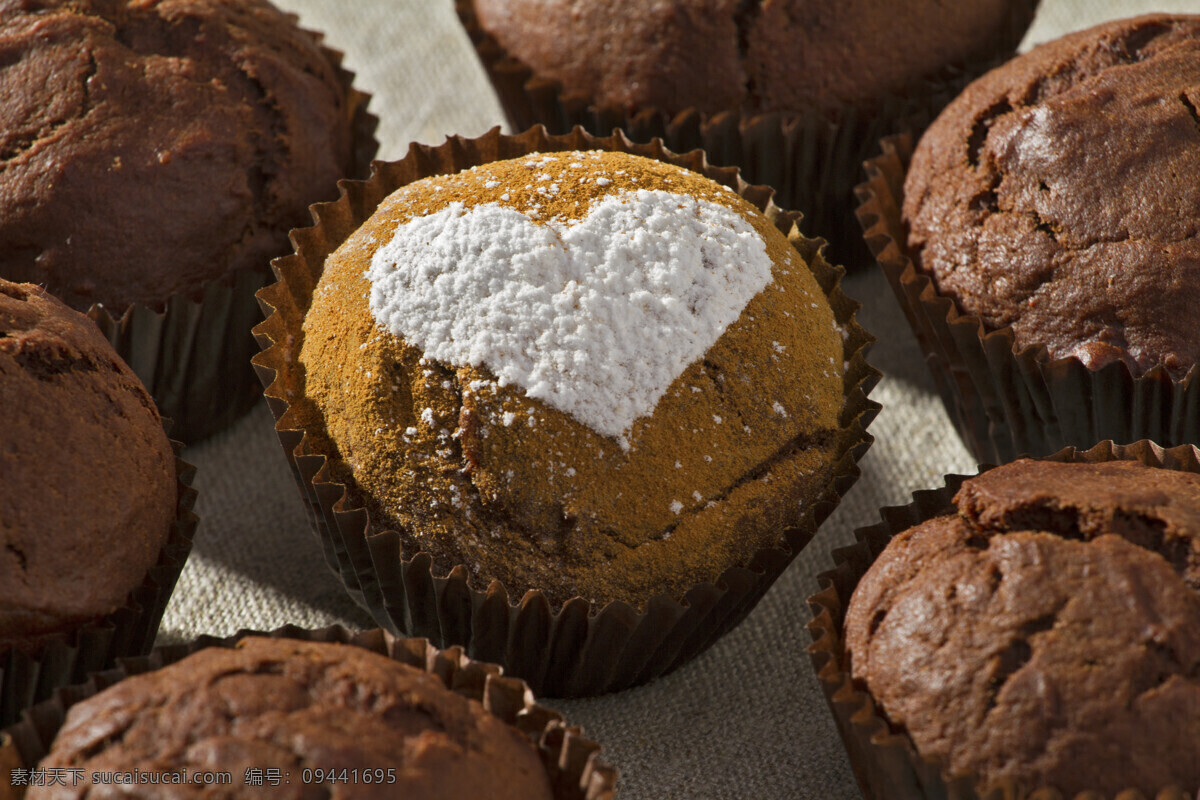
(265, 164)
(981, 129)
(1015, 655)
(987, 200)
(1160, 662)
(22, 143)
(1191, 109)
(1145, 525)
(86, 83)
(1132, 48)
(716, 376)
(744, 18)
(1042, 225)
(19, 554)
(18, 144)
(47, 363)
(805, 441)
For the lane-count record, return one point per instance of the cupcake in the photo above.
(1040, 633)
(305, 713)
(156, 156)
(1050, 224)
(586, 378)
(791, 92)
(94, 524)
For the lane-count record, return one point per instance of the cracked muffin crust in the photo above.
(757, 55)
(475, 471)
(291, 705)
(1056, 195)
(150, 147)
(1049, 633)
(88, 473)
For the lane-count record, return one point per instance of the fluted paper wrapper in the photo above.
(194, 353)
(812, 161)
(571, 761)
(30, 677)
(578, 649)
(885, 761)
(1006, 400)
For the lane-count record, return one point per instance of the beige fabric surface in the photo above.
(746, 719)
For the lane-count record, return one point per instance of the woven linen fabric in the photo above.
(744, 720)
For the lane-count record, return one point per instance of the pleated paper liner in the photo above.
(578, 649)
(884, 759)
(571, 761)
(1003, 400)
(30, 677)
(194, 353)
(813, 162)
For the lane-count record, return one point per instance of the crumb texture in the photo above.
(483, 472)
(290, 705)
(758, 55)
(1057, 195)
(1048, 633)
(88, 475)
(148, 147)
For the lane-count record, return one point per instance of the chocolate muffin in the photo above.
(88, 474)
(1056, 196)
(1046, 635)
(151, 147)
(770, 55)
(589, 373)
(310, 711)
(155, 156)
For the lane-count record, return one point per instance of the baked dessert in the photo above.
(1055, 196)
(1048, 633)
(770, 55)
(155, 156)
(151, 147)
(304, 711)
(588, 373)
(89, 476)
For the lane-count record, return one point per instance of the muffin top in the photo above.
(771, 55)
(149, 147)
(88, 474)
(1057, 195)
(589, 373)
(1049, 633)
(296, 707)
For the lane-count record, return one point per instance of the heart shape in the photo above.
(595, 317)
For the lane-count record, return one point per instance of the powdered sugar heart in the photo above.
(595, 317)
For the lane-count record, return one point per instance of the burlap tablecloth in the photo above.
(746, 719)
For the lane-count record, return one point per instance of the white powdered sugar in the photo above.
(595, 317)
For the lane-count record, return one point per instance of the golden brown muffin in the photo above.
(594, 486)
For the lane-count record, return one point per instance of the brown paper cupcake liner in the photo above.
(194, 354)
(571, 761)
(65, 658)
(885, 760)
(579, 649)
(1006, 401)
(811, 161)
